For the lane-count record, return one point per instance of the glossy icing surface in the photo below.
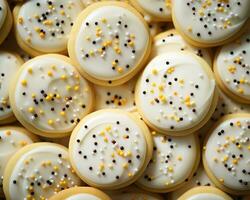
(111, 42)
(45, 25)
(173, 161)
(9, 65)
(173, 41)
(83, 197)
(120, 97)
(210, 21)
(11, 140)
(160, 8)
(199, 178)
(3, 12)
(233, 66)
(227, 153)
(108, 148)
(175, 94)
(40, 172)
(50, 95)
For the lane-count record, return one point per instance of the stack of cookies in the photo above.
(124, 100)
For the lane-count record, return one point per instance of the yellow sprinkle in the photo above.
(50, 122)
(153, 133)
(23, 143)
(238, 123)
(64, 77)
(8, 133)
(30, 70)
(31, 109)
(101, 167)
(42, 35)
(231, 69)
(170, 70)
(48, 22)
(235, 161)
(76, 88)
(24, 82)
(50, 73)
(125, 165)
(170, 169)
(221, 180)
(104, 20)
(130, 174)
(215, 159)
(120, 70)
(155, 71)
(62, 12)
(20, 20)
(108, 128)
(68, 87)
(179, 158)
(62, 113)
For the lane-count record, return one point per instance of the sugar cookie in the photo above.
(232, 69)
(176, 94)
(5, 20)
(9, 65)
(81, 193)
(199, 178)
(49, 97)
(110, 42)
(37, 171)
(110, 148)
(44, 26)
(224, 106)
(171, 40)
(154, 10)
(226, 154)
(210, 23)
(135, 196)
(174, 161)
(12, 138)
(205, 193)
(121, 96)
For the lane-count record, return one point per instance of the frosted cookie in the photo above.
(38, 171)
(154, 10)
(171, 40)
(226, 154)
(12, 138)
(174, 161)
(210, 23)
(110, 148)
(43, 26)
(232, 69)
(9, 65)
(176, 93)
(110, 42)
(49, 97)
(81, 193)
(135, 196)
(5, 20)
(205, 193)
(224, 106)
(120, 97)
(199, 178)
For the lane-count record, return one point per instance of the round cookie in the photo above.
(110, 148)
(224, 106)
(12, 138)
(81, 193)
(43, 26)
(135, 196)
(119, 97)
(232, 69)
(109, 43)
(171, 40)
(174, 161)
(199, 178)
(154, 10)
(205, 193)
(38, 171)
(49, 97)
(9, 65)
(226, 154)
(210, 23)
(6, 20)
(176, 94)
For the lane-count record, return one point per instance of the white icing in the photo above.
(227, 153)
(134, 196)
(89, 44)
(221, 22)
(172, 41)
(61, 96)
(108, 148)
(3, 12)
(233, 66)
(173, 161)
(199, 178)
(9, 65)
(11, 140)
(41, 162)
(175, 91)
(160, 8)
(83, 197)
(205, 196)
(56, 23)
(121, 97)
